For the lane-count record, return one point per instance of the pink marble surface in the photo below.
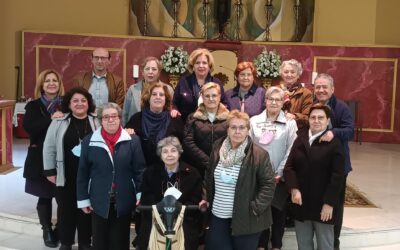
(363, 73)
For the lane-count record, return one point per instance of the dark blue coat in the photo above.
(96, 168)
(342, 126)
(254, 100)
(187, 93)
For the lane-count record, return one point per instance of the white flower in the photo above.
(174, 60)
(267, 64)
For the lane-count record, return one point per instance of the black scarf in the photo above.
(155, 125)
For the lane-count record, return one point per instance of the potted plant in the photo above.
(267, 65)
(174, 61)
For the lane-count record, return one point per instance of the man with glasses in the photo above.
(341, 126)
(103, 85)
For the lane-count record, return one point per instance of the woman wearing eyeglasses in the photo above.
(171, 173)
(272, 131)
(246, 96)
(314, 174)
(109, 179)
(61, 152)
(204, 127)
(239, 186)
(151, 75)
(154, 122)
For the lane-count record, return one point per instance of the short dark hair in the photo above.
(323, 107)
(77, 90)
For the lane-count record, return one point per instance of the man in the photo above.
(342, 127)
(103, 85)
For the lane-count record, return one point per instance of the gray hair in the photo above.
(169, 141)
(294, 63)
(326, 77)
(274, 89)
(109, 105)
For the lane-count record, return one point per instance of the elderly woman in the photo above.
(187, 91)
(204, 127)
(151, 75)
(239, 186)
(272, 131)
(171, 173)
(154, 122)
(61, 153)
(109, 179)
(39, 113)
(298, 99)
(314, 173)
(246, 96)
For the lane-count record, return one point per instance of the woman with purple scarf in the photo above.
(39, 113)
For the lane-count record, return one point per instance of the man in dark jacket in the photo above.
(342, 127)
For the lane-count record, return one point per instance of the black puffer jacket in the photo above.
(200, 134)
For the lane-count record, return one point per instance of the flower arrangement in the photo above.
(267, 64)
(174, 60)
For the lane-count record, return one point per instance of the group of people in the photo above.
(252, 156)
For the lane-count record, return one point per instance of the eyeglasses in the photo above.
(108, 117)
(97, 58)
(213, 96)
(240, 128)
(243, 75)
(274, 100)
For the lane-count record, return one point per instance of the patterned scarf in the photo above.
(229, 156)
(52, 105)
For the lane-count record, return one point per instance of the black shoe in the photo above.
(49, 238)
(65, 247)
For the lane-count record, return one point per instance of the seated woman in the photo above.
(154, 122)
(204, 127)
(151, 75)
(246, 96)
(108, 182)
(171, 173)
(314, 173)
(276, 134)
(239, 186)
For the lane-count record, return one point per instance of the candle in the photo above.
(135, 71)
(297, 2)
(269, 2)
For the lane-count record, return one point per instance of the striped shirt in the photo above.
(225, 185)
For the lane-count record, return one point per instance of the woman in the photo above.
(48, 92)
(239, 188)
(275, 134)
(154, 122)
(151, 74)
(171, 173)
(109, 179)
(61, 158)
(204, 127)
(298, 99)
(187, 91)
(314, 174)
(246, 96)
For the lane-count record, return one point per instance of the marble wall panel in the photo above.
(368, 74)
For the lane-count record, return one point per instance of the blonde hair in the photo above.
(210, 85)
(199, 52)
(294, 63)
(236, 114)
(40, 81)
